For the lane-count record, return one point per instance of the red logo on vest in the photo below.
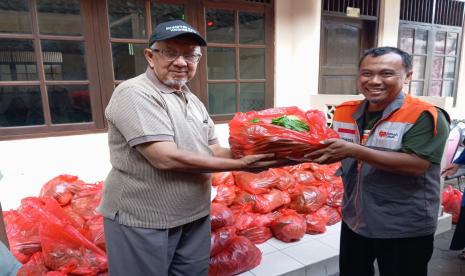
(383, 134)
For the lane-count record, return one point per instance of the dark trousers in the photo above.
(182, 250)
(458, 240)
(395, 257)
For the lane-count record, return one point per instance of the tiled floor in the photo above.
(313, 255)
(317, 255)
(444, 261)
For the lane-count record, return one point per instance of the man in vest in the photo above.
(390, 150)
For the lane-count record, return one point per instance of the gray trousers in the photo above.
(182, 250)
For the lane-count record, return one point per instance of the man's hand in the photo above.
(334, 150)
(450, 170)
(254, 163)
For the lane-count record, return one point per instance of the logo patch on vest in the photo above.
(388, 135)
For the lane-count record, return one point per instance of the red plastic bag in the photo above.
(451, 199)
(66, 250)
(289, 226)
(34, 267)
(62, 188)
(23, 235)
(252, 133)
(256, 183)
(221, 216)
(266, 203)
(94, 227)
(220, 238)
(316, 224)
(222, 178)
(86, 199)
(332, 214)
(257, 235)
(310, 199)
(239, 256)
(285, 179)
(225, 194)
(243, 216)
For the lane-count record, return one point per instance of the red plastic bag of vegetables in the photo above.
(310, 199)
(451, 199)
(257, 235)
(223, 178)
(225, 194)
(62, 188)
(220, 216)
(220, 238)
(239, 256)
(66, 250)
(286, 131)
(34, 267)
(23, 234)
(316, 224)
(289, 226)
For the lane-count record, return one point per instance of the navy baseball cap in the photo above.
(175, 28)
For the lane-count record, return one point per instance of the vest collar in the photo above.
(393, 106)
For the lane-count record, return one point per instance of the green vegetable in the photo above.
(256, 120)
(291, 122)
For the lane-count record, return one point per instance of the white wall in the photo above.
(388, 23)
(27, 164)
(297, 49)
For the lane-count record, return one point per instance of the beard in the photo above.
(175, 83)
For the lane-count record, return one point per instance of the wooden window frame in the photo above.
(49, 129)
(99, 61)
(432, 30)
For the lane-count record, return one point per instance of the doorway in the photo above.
(343, 41)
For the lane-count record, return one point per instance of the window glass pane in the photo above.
(220, 26)
(221, 63)
(69, 104)
(127, 18)
(419, 67)
(451, 46)
(58, 19)
(252, 63)
(449, 68)
(251, 28)
(435, 89)
(252, 96)
(416, 88)
(448, 89)
(438, 64)
(20, 106)
(162, 12)
(406, 39)
(439, 42)
(128, 60)
(341, 41)
(15, 16)
(421, 40)
(64, 60)
(17, 60)
(221, 98)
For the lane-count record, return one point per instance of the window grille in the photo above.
(446, 12)
(367, 7)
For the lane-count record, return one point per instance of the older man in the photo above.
(390, 151)
(156, 199)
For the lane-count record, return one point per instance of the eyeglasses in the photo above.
(170, 55)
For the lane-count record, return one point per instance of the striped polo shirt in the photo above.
(141, 110)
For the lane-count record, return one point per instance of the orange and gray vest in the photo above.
(379, 203)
